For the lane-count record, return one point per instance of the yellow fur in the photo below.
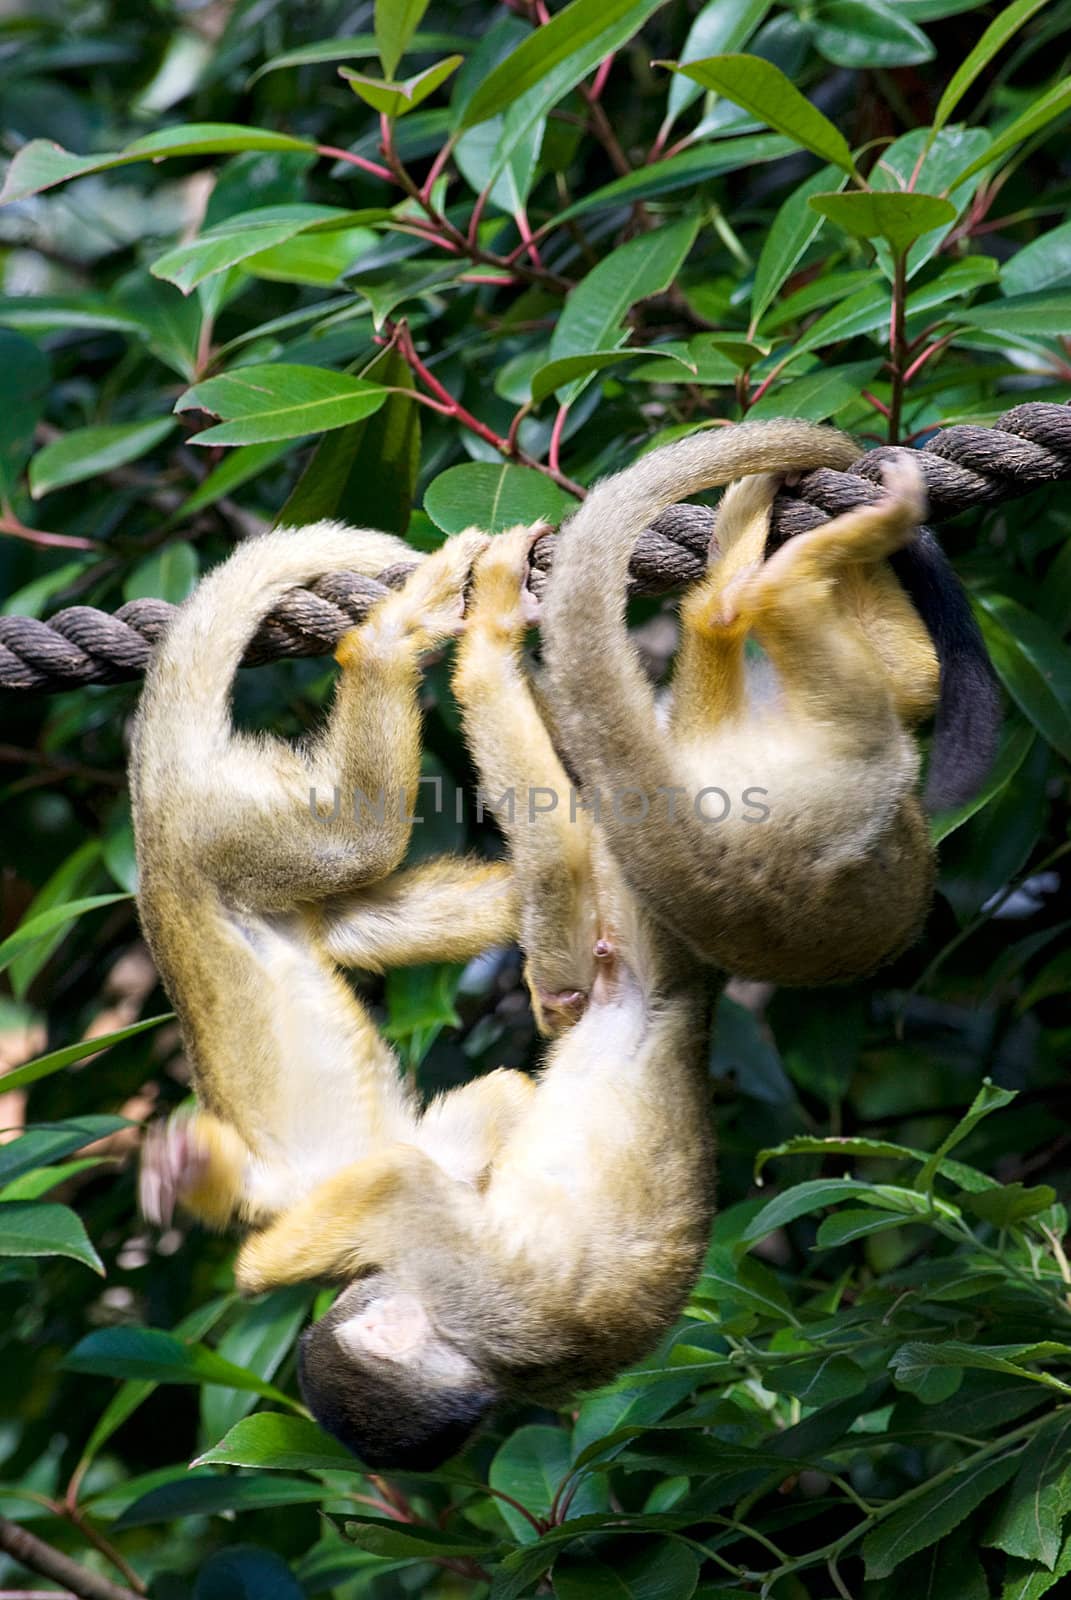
(836, 878)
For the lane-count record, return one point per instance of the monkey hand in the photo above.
(193, 1161)
(431, 606)
(500, 593)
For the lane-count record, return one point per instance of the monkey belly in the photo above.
(813, 917)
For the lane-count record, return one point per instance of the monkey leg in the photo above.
(296, 826)
(876, 598)
(444, 910)
(795, 605)
(525, 784)
(709, 680)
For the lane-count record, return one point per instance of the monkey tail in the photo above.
(968, 706)
(189, 679)
(602, 704)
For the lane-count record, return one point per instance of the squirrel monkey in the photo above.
(511, 1239)
(771, 820)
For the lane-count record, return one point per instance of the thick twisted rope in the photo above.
(963, 467)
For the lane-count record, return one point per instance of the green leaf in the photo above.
(917, 1357)
(866, 311)
(818, 1380)
(354, 44)
(661, 1569)
(1046, 314)
(1045, 263)
(249, 233)
(286, 1444)
(530, 1467)
(843, 1227)
(557, 55)
(149, 1353)
(395, 99)
(919, 162)
(415, 1540)
(1025, 1581)
(237, 467)
(557, 374)
(988, 1099)
(866, 33)
(24, 381)
(1032, 662)
(873, 214)
(591, 319)
(763, 89)
(682, 171)
(43, 1142)
(211, 1494)
(41, 164)
(170, 573)
(35, 1185)
(87, 452)
(801, 1201)
(243, 1572)
(1017, 740)
(56, 313)
(722, 25)
(396, 22)
(36, 1228)
(495, 497)
(932, 1515)
(56, 1060)
(365, 474)
(1010, 1204)
(1000, 30)
(259, 1340)
(129, 1396)
(791, 231)
(1030, 1521)
(810, 1145)
(406, 280)
(725, 1280)
(278, 401)
(47, 922)
(1047, 108)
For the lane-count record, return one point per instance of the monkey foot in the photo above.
(561, 1008)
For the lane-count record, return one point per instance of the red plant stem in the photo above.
(872, 399)
(372, 167)
(435, 170)
(897, 344)
(477, 216)
(448, 405)
(554, 452)
(520, 217)
(932, 350)
(601, 76)
(10, 524)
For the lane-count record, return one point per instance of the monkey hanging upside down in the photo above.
(832, 874)
(514, 1238)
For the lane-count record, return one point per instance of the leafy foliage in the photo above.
(490, 259)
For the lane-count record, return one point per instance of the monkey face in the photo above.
(377, 1375)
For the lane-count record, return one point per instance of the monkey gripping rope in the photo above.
(963, 467)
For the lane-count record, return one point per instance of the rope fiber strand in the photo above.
(963, 467)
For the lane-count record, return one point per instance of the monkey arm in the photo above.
(443, 910)
(521, 777)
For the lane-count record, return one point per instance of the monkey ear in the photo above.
(396, 1327)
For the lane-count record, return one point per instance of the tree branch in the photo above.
(32, 1552)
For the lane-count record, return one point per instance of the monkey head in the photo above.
(377, 1375)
